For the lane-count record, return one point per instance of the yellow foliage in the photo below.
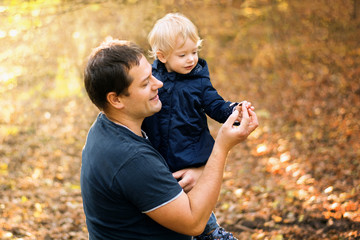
(3, 169)
(24, 199)
(67, 82)
(8, 130)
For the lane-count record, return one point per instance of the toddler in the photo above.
(180, 131)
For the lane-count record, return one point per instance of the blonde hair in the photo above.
(166, 30)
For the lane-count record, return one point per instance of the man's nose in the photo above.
(157, 83)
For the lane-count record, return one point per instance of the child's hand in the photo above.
(188, 177)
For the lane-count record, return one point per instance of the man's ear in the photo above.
(161, 56)
(114, 100)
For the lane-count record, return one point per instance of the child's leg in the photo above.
(214, 231)
(211, 224)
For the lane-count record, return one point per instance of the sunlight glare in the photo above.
(239, 192)
(302, 194)
(273, 161)
(2, 34)
(76, 35)
(296, 173)
(292, 167)
(312, 199)
(3, 9)
(305, 179)
(329, 189)
(261, 148)
(285, 157)
(47, 115)
(13, 33)
(35, 12)
(6, 75)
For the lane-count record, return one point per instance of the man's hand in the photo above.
(230, 135)
(239, 108)
(188, 177)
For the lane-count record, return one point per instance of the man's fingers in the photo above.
(254, 119)
(244, 110)
(254, 116)
(245, 119)
(232, 118)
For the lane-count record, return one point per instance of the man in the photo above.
(128, 190)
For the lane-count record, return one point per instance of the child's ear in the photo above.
(161, 56)
(114, 100)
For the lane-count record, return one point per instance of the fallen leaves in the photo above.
(348, 209)
(297, 176)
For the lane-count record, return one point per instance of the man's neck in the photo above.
(134, 126)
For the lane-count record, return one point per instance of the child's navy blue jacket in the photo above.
(180, 130)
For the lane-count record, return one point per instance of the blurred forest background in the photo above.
(298, 62)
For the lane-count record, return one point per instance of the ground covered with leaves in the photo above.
(298, 62)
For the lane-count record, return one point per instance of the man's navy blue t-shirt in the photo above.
(122, 178)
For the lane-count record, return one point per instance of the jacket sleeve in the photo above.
(214, 105)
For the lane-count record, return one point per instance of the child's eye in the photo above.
(182, 55)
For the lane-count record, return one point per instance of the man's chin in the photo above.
(160, 106)
(156, 109)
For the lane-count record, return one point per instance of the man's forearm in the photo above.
(204, 195)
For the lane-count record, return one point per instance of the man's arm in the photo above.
(189, 213)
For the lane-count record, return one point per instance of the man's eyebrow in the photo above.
(146, 77)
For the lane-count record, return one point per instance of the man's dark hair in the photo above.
(108, 70)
